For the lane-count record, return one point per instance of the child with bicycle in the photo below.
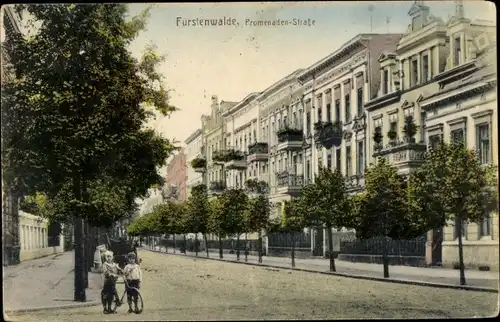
(110, 272)
(133, 275)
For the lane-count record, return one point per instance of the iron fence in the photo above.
(284, 240)
(374, 246)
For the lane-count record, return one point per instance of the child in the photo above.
(133, 274)
(110, 272)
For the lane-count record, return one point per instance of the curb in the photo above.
(55, 307)
(370, 278)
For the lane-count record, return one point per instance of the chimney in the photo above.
(215, 100)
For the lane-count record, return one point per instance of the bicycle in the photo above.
(139, 305)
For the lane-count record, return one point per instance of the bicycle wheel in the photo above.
(140, 303)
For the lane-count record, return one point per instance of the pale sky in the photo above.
(232, 62)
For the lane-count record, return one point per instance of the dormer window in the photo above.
(425, 68)
(414, 72)
(458, 51)
(386, 82)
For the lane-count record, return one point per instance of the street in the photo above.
(180, 288)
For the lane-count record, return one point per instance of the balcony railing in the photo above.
(258, 151)
(289, 183)
(290, 138)
(328, 134)
(226, 155)
(406, 153)
(217, 186)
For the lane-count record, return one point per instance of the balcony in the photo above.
(258, 151)
(290, 139)
(328, 134)
(199, 165)
(355, 183)
(289, 183)
(235, 160)
(404, 155)
(217, 187)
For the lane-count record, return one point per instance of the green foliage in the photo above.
(326, 200)
(256, 186)
(198, 163)
(234, 204)
(257, 213)
(453, 182)
(383, 209)
(76, 107)
(410, 128)
(293, 216)
(197, 210)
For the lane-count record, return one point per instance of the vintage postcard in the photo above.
(249, 161)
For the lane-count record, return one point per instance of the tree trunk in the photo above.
(260, 246)
(330, 250)
(238, 247)
(79, 287)
(221, 253)
(196, 244)
(185, 243)
(293, 249)
(174, 243)
(206, 244)
(385, 258)
(246, 247)
(461, 253)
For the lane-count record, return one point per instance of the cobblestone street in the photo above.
(180, 288)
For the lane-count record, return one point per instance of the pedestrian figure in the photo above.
(133, 274)
(110, 272)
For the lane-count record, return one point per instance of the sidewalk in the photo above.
(403, 273)
(45, 283)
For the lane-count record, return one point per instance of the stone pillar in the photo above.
(402, 72)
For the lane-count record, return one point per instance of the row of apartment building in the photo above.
(442, 74)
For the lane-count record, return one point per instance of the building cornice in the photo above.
(382, 101)
(193, 136)
(455, 94)
(247, 100)
(278, 85)
(325, 63)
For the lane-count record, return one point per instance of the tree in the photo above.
(234, 204)
(385, 209)
(84, 100)
(293, 220)
(453, 184)
(328, 204)
(217, 220)
(198, 212)
(257, 217)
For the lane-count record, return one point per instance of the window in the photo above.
(360, 101)
(394, 126)
(295, 123)
(360, 162)
(329, 161)
(337, 110)
(319, 114)
(457, 53)
(308, 123)
(348, 160)
(308, 169)
(434, 141)
(347, 108)
(425, 68)
(457, 136)
(485, 226)
(483, 142)
(385, 82)
(337, 159)
(284, 121)
(328, 112)
(414, 72)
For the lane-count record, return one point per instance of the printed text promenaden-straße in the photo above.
(232, 22)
